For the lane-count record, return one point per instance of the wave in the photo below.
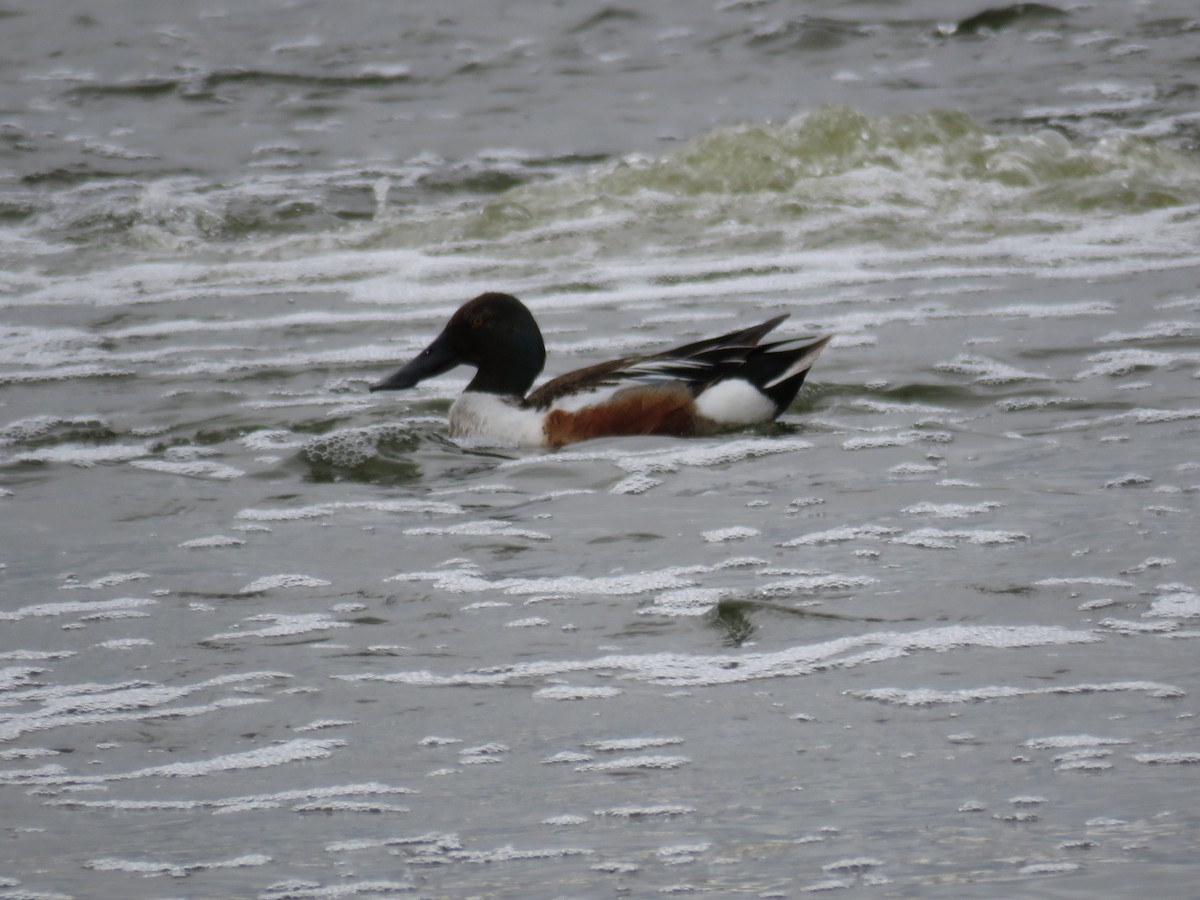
(839, 176)
(832, 177)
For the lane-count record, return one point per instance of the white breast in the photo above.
(491, 421)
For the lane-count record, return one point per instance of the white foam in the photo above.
(941, 539)
(284, 626)
(318, 510)
(197, 469)
(677, 669)
(1182, 605)
(215, 542)
(951, 510)
(985, 370)
(568, 692)
(130, 702)
(83, 455)
(1072, 740)
(468, 580)
(1176, 758)
(923, 697)
(484, 528)
(1090, 580)
(628, 764)
(106, 581)
(840, 534)
(174, 869)
(282, 753)
(694, 601)
(1123, 362)
(732, 533)
(271, 582)
(82, 606)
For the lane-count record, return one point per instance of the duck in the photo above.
(714, 385)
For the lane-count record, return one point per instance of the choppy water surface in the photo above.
(932, 634)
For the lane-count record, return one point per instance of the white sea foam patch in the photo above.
(1123, 362)
(1178, 758)
(288, 321)
(984, 370)
(271, 440)
(80, 606)
(17, 676)
(319, 510)
(461, 581)
(881, 407)
(1059, 742)
(942, 539)
(573, 692)
(1154, 331)
(1135, 416)
(286, 580)
(840, 534)
(240, 804)
(694, 601)
(125, 643)
(32, 655)
(192, 469)
(1086, 580)
(485, 528)
(1129, 627)
(467, 579)
(677, 669)
(112, 579)
(645, 463)
(662, 810)
(215, 542)
(34, 346)
(149, 868)
(732, 533)
(920, 697)
(629, 764)
(35, 427)
(507, 853)
(429, 842)
(350, 447)
(63, 373)
(1181, 605)
(809, 584)
(90, 704)
(487, 489)
(295, 750)
(362, 357)
(951, 510)
(83, 455)
(284, 626)
(879, 441)
(625, 745)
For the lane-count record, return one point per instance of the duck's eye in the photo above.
(477, 321)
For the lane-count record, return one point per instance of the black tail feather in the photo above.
(768, 366)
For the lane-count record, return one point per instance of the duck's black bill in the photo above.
(435, 359)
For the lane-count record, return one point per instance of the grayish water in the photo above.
(932, 634)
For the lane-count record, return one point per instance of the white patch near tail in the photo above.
(735, 402)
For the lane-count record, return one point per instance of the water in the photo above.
(267, 635)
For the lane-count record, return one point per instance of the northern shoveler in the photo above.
(709, 386)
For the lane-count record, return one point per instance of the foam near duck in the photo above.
(714, 385)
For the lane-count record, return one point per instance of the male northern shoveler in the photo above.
(712, 385)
